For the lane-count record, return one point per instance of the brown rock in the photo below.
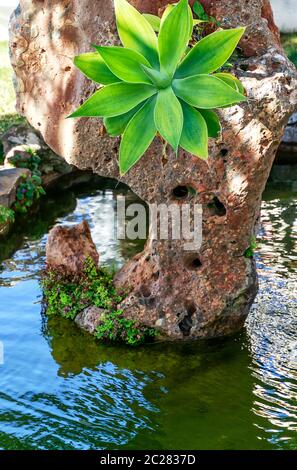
(208, 293)
(69, 247)
(90, 318)
(9, 181)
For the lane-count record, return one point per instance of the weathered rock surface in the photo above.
(20, 140)
(9, 181)
(209, 292)
(69, 247)
(90, 318)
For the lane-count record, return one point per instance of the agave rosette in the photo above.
(156, 84)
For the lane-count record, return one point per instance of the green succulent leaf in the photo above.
(136, 32)
(174, 37)
(125, 63)
(116, 125)
(231, 81)
(138, 136)
(93, 66)
(160, 79)
(168, 10)
(153, 20)
(194, 138)
(169, 117)
(210, 53)
(206, 92)
(115, 99)
(212, 122)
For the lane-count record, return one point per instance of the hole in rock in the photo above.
(216, 207)
(180, 192)
(224, 152)
(193, 263)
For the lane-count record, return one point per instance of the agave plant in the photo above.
(157, 84)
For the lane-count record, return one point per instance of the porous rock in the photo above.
(68, 248)
(201, 294)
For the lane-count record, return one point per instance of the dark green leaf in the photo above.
(194, 138)
(135, 31)
(206, 92)
(212, 122)
(116, 125)
(93, 66)
(169, 117)
(138, 136)
(210, 53)
(125, 63)
(174, 37)
(115, 99)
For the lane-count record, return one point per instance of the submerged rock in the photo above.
(204, 293)
(68, 248)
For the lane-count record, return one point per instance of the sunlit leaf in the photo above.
(115, 99)
(210, 53)
(212, 122)
(138, 136)
(206, 92)
(154, 21)
(231, 81)
(174, 37)
(169, 117)
(93, 66)
(135, 31)
(116, 125)
(194, 138)
(125, 63)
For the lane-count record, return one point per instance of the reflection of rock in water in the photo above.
(37, 224)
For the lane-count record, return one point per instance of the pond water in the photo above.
(61, 389)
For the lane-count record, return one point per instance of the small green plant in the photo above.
(250, 251)
(158, 85)
(32, 163)
(67, 295)
(27, 193)
(115, 327)
(202, 15)
(6, 215)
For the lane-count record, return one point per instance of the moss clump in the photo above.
(67, 295)
(6, 215)
(115, 327)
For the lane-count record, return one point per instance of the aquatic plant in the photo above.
(157, 84)
(67, 295)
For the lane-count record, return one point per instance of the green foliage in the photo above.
(30, 190)
(289, 42)
(151, 82)
(32, 163)
(250, 251)
(67, 295)
(202, 15)
(115, 327)
(27, 193)
(6, 215)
